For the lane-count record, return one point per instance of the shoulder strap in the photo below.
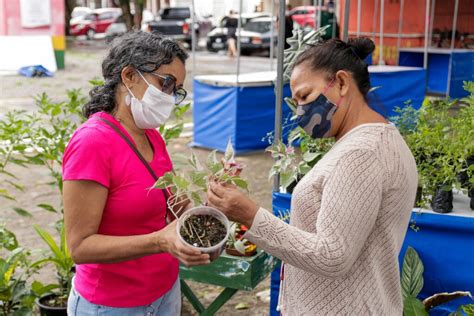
(131, 145)
(139, 155)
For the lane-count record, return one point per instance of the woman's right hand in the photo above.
(168, 241)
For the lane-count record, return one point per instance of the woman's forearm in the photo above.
(111, 249)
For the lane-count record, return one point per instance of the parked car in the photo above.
(78, 13)
(96, 22)
(304, 16)
(217, 38)
(256, 36)
(119, 27)
(176, 22)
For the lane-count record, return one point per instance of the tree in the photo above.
(69, 6)
(130, 21)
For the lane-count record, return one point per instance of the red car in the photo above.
(303, 15)
(96, 22)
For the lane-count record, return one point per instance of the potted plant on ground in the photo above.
(202, 227)
(55, 303)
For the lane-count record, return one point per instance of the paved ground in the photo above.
(83, 63)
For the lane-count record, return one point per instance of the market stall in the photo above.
(242, 111)
(447, 69)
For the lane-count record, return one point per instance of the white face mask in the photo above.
(153, 109)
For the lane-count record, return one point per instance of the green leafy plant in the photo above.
(17, 296)
(193, 183)
(412, 283)
(58, 254)
(441, 138)
(173, 129)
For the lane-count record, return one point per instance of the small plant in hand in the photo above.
(202, 229)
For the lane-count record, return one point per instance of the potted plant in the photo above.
(17, 294)
(202, 227)
(440, 138)
(55, 303)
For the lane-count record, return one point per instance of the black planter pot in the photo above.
(46, 310)
(463, 178)
(442, 201)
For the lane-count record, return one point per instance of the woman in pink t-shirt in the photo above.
(126, 256)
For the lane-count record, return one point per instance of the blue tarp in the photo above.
(394, 88)
(445, 244)
(35, 71)
(247, 114)
(243, 114)
(462, 69)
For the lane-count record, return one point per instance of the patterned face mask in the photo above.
(315, 117)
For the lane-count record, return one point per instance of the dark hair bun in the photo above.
(363, 46)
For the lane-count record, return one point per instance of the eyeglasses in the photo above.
(168, 86)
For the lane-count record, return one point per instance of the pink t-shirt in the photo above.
(97, 153)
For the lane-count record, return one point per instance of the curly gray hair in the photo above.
(143, 51)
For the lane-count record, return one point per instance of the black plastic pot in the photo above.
(442, 200)
(46, 310)
(463, 178)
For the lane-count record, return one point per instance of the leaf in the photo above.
(199, 179)
(39, 289)
(196, 198)
(287, 178)
(413, 307)
(309, 156)
(229, 152)
(22, 212)
(180, 182)
(468, 309)
(53, 246)
(47, 207)
(412, 274)
(442, 298)
(242, 306)
(241, 183)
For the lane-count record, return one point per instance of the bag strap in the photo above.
(132, 146)
(139, 155)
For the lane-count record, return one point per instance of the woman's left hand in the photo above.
(233, 203)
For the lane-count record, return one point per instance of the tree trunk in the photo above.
(69, 6)
(137, 19)
(127, 15)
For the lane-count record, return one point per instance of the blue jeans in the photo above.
(167, 305)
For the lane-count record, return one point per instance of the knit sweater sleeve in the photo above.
(351, 200)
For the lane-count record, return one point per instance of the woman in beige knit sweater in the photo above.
(349, 214)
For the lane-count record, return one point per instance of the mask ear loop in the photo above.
(128, 100)
(338, 103)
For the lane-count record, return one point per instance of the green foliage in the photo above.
(194, 183)
(58, 254)
(412, 274)
(413, 307)
(174, 130)
(16, 296)
(412, 283)
(441, 138)
(299, 42)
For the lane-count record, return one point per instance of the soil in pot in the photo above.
(203, 231)
(53, 305)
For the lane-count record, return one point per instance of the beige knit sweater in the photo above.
(349, 216)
